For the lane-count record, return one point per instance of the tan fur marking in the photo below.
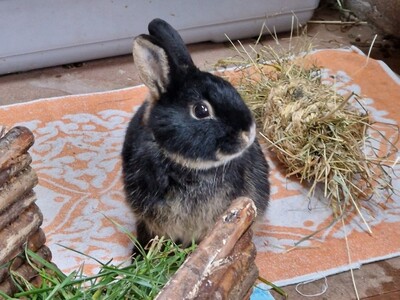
(152, 64)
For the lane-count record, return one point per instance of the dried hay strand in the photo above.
(321, 137)
(2, 131)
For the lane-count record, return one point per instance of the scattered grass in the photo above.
(141, 279)
(274, 287)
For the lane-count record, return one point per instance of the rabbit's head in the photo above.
(197, 119)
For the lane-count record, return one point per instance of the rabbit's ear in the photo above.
(172, 42)
(152, 64)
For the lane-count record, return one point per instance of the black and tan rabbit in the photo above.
(191, 148)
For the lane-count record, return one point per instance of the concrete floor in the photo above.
(379, 280)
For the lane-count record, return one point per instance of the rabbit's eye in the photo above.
(201, 111)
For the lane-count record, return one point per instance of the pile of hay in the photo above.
(320, 136)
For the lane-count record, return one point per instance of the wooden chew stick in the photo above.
(13, 144)
(229, 279)
(35, 242)
(248, 276)
(15, 209)
(20, 163)
(246, 286)
(217, 245)
(244, 270)
(25, 271)
(17, 187)
(251, 277)
(16, 234)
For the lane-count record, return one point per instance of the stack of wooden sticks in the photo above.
(223, 266)
(20, 217)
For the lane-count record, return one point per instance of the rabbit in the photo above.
(191, 147)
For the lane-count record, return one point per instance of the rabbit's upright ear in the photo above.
(152, 64)
(172, 42)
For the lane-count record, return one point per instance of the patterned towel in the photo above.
(77, 158)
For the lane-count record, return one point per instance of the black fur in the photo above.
(169, 196)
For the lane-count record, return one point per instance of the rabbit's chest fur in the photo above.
(191, 206)
(170, 199)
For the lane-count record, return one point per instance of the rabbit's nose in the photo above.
(249, 135)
